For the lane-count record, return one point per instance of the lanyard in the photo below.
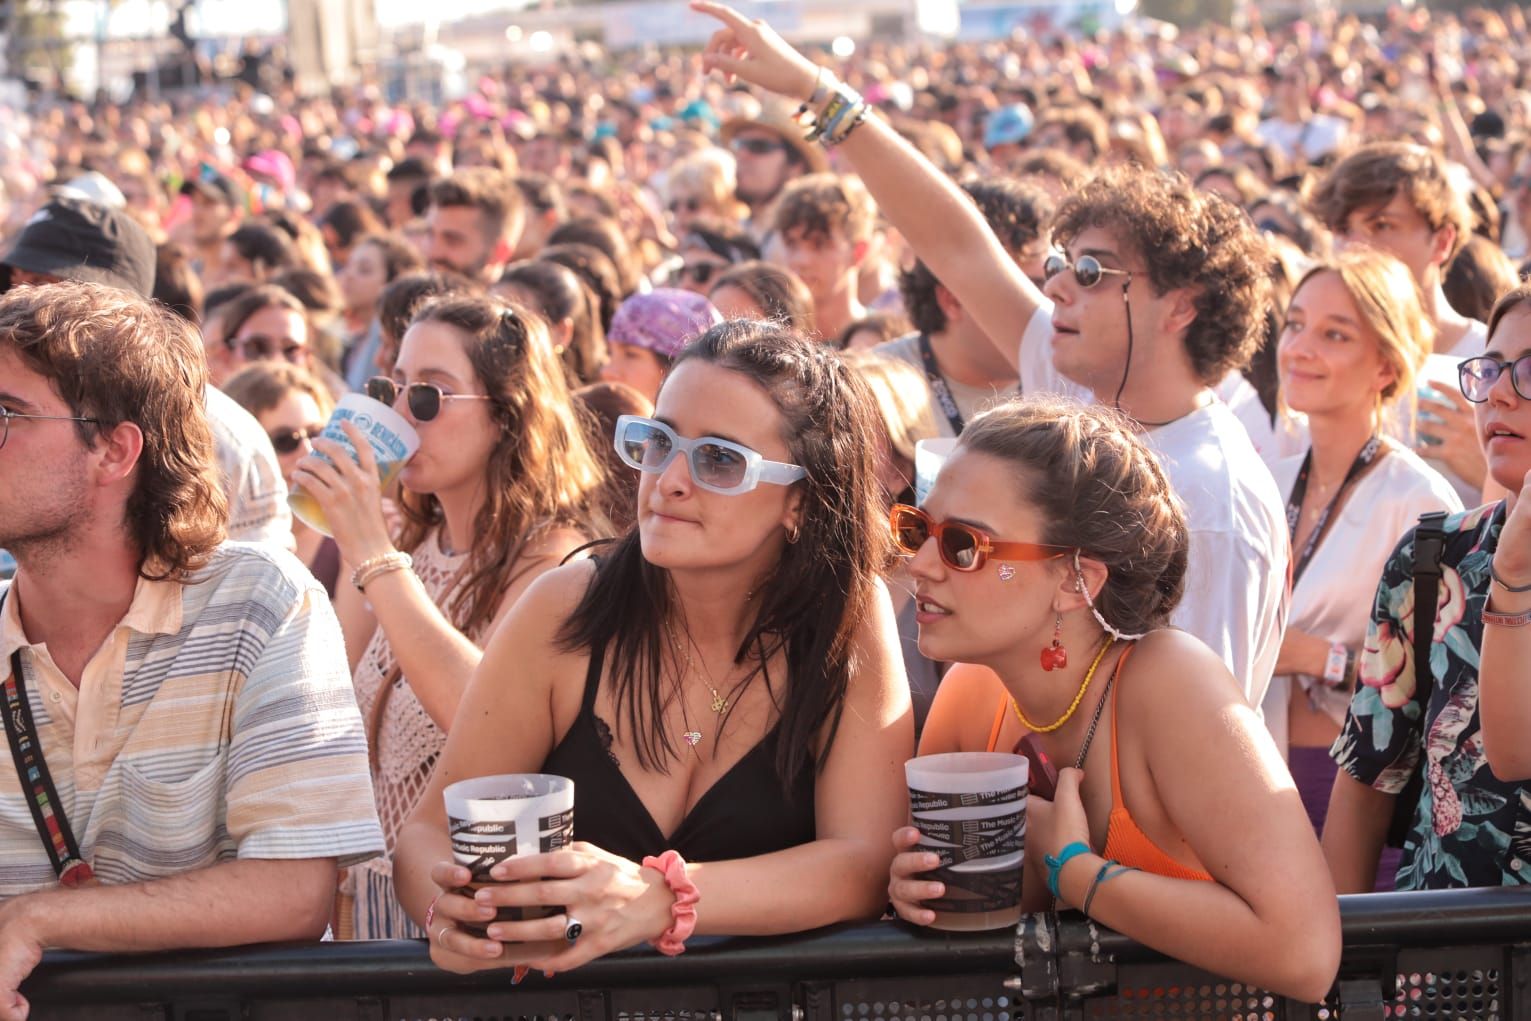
(32, 772)
(939, 388)
(1358, 467)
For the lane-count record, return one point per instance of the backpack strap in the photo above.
(1429, 546)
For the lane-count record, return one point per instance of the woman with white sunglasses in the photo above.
(723, 685)
(499, 492)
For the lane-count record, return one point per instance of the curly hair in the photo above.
(1375, 174)
(1187, 239)
(1101, 491)
(1017, 211)
(114, 357)
(541, 474)
(817, 204)
(821, 590)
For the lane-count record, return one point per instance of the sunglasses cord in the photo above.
(1116, 402)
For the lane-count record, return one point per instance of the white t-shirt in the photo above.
(1244, 401)
(1333, 598)
(1442, 368)
(971, 400)
(1317, 136)
(1235, 593)
(251, 476)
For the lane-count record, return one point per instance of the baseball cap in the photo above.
(78, 240)
(663, 320)
(1007, 125)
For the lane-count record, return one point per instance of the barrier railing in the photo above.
(1461, 955)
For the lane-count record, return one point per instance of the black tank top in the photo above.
(744, 813)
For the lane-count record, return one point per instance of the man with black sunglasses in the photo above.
(769, 152)
(1159, 291)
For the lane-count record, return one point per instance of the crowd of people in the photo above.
(1227, 329)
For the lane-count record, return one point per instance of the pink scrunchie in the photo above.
(683, 912)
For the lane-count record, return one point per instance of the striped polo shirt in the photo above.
(217, 721)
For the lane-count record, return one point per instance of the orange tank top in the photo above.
(1125, 841)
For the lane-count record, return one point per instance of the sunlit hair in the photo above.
(1100, 490)
(902, 397)
(821, 590)
(261, 386)
(115, 358)
(541, 473)
(1388, 300)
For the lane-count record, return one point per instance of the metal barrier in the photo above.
(1461, 954)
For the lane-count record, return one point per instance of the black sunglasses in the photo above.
(1087, 269)
(758, 146)
(1477, 376)
(289, 440)
(424, 399)
(701, 273)
(690, 205)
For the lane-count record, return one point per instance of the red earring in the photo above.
(1055, 656)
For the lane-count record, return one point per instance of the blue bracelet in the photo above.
(1055, 865)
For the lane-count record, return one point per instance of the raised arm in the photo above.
(1504, 697)
(943, 227)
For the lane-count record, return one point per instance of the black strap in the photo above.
(1368, 454)
(939, 387)
(1429, 548)
(36, 781)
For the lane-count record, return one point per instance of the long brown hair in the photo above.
(114, 357)
(821, 590)
(541, 473)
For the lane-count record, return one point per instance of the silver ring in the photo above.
(572, 929)
(441, 935)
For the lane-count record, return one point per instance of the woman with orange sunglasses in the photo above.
(1047, 559)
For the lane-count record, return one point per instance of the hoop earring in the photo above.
(793, 534)
(1055, 656)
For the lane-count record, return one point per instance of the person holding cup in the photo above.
(723, 686)
(500, 490)
(1052, 551)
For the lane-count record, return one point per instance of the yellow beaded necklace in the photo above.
(1073, 706)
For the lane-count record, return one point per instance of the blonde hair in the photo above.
(903, 400)
(262, 386)
(708, 175)
(1388, 300)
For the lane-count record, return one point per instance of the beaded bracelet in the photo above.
(383, 563)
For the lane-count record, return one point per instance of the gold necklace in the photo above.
(1073, 706)
(719, 703)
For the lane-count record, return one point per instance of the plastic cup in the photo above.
(929, 456)
(970, 808)
(392, 439)
(492, 818)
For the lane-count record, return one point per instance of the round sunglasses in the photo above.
(962, 547)
(424, 399)
(720, 466)
(1477, 376)
(288, 441)
(1087, 269)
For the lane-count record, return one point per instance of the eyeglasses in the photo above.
(962, 547)
(289, 440)
(260, 348)
(701, 273)
(1087, 269)
(757, 146)
(1477, 376)
(718, 466)
(424, 399)
(6, 414)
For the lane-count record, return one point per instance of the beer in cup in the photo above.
(392, 439)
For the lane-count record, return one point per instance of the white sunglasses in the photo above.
(718, 466)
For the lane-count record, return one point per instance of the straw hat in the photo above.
(777, 119)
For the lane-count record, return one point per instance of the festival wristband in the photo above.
(1055, 865)
(1334, 665)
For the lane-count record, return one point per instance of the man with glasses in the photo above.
(769, 152)
(180, 707)
(70, 239)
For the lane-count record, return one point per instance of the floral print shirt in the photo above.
(1471, 829)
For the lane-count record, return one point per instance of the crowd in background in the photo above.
(1259, 293)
